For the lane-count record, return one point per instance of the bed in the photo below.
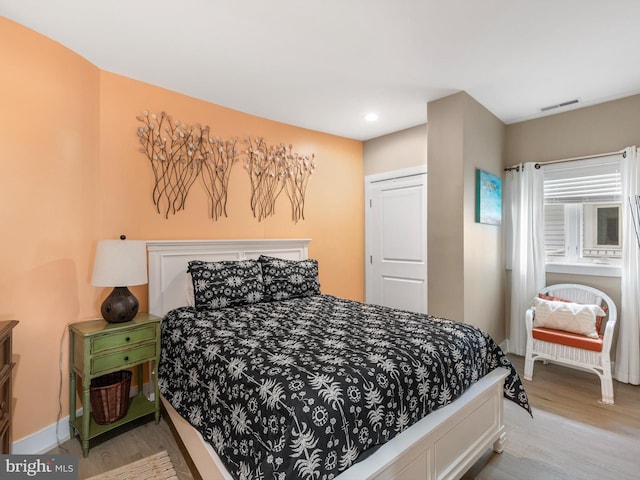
(272, 384)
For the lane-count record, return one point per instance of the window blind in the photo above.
(583, 181)
(554, 229)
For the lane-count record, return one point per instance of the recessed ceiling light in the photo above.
(371, 117)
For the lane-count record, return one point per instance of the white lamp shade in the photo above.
(120, 263)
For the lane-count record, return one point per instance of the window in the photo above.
(582, 212)
(607, 228)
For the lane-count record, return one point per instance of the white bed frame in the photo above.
(444, 445)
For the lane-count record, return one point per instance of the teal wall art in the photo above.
(488, 198)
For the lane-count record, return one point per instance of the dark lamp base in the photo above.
(120, 306)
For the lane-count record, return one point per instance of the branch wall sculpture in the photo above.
(266, 173)
(273, 168)
(219, 156)
(298, 169)
(179, 154)
(172, 151)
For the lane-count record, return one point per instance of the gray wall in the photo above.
(606, 127)
(445, 201)
(484, 274)
(398, 150)
(466, 267)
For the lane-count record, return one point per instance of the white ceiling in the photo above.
(324, 64)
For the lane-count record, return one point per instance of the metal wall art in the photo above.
(273, 168)
(219, 157)
(180, 154)
(298, 170)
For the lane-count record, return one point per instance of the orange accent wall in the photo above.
(72, 174)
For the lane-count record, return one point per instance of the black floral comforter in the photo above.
(299, 389)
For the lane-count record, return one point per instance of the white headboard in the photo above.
(168, 261)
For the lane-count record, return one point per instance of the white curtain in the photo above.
(628, 349)
(524, 219)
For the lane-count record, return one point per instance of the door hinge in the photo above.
(371, 259)
(370, 203)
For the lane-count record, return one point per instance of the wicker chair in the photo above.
(574, 350)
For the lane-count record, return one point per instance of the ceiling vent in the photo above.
(563, 104)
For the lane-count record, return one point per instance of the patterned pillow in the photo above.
(570, 317)
(599, 318)
(289, 278)
(225, 283)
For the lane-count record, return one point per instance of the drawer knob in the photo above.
(126, 358)
(127, 339)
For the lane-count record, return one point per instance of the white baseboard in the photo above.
(50, 437)
(43, 440)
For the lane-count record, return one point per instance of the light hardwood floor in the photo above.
(571, 435)
(126, 445)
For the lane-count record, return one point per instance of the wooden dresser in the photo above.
(6, 366)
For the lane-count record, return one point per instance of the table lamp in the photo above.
(120, 264)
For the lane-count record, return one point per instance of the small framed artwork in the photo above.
(488, 198)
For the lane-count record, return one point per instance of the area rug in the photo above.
(153, 467)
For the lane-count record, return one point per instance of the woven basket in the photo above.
(109, 395)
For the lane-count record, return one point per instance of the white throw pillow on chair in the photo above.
(570, 317)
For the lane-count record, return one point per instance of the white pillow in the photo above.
(570, 317)
(191, 301)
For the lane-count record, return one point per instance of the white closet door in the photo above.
(396, 223)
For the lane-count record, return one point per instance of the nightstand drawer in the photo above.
(121, 339)
(123, 358)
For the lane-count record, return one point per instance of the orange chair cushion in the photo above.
(567, 338)
(557, 299)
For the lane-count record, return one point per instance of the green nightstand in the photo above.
(96, 348)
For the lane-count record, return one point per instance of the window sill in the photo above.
(600, 270)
